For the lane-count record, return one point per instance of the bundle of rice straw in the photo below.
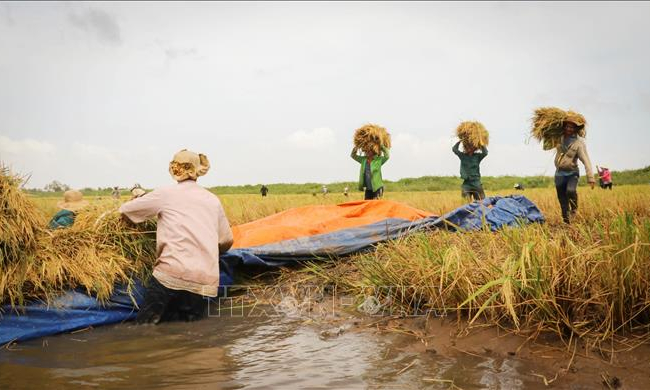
(473, 135)
(97, 251)
(548, 123)
(370, 138)
(20, 219)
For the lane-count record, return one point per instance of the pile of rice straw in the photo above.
(97, 251)
(548, 125)
(473, 135)
(20, 220)
(370, 138)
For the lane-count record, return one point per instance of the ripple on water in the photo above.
(240, 352)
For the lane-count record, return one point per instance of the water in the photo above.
(246, 353)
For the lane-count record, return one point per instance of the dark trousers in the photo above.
(164, 304)
(606, 185)
(567, 194)
(474, 194)
(370, 195)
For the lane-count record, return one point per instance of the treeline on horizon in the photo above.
(424, 183)
(432, 183)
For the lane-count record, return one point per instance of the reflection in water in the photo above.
(242, 352)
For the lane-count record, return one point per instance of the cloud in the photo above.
(83, 165)
(99, 22)
(175, 53)
(7, 15)
(97, 153)
(25, 146)
(318, 138)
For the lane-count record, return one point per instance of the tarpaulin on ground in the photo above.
(492, 213)
(310, 221)
(295, 235)
(72, 311)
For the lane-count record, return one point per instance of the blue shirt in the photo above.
(63, 218)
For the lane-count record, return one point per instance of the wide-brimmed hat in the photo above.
(72, 200)
(188, 165)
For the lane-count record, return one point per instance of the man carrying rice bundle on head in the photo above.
(192, 230)
(374, 142)
(473, 136)
(564, 131)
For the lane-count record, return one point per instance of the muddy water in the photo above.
(246, 353)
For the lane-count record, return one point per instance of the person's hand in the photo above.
(127, 221)
(137, 192)
(592, 184)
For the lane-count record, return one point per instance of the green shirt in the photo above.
(470, 170)
(375, 168)
(63, 218)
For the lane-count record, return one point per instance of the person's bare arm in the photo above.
(225, 246)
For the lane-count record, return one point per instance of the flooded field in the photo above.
(244, 352)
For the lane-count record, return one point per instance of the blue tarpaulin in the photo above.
(76, 310)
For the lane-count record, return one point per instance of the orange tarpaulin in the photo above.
(311, 220)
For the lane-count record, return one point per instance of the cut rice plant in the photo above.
(97, 251)
(548, 125)
(20, 219)
(370, 138)
(473, 135)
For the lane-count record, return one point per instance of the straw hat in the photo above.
(72, 200)
(188, 165)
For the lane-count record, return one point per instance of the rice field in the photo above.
(594, 204)
(589, 280)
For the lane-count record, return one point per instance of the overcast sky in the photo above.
(102, 94)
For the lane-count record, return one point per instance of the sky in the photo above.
(102, 94)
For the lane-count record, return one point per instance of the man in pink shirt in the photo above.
(192, 230)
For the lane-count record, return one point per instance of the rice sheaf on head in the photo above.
(548, 125)
(370, 138)
(473, 135)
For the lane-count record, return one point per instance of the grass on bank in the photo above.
(590, 280)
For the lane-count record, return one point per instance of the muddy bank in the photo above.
(542, 360)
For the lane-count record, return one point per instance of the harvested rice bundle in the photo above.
(20, 219)
(370, 138)
(97, 251)
(473, 135)
(548, 123)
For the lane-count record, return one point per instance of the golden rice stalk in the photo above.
(473, 135)
(20, 219)
(97, 251)
(548, 125)
(370, 138)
